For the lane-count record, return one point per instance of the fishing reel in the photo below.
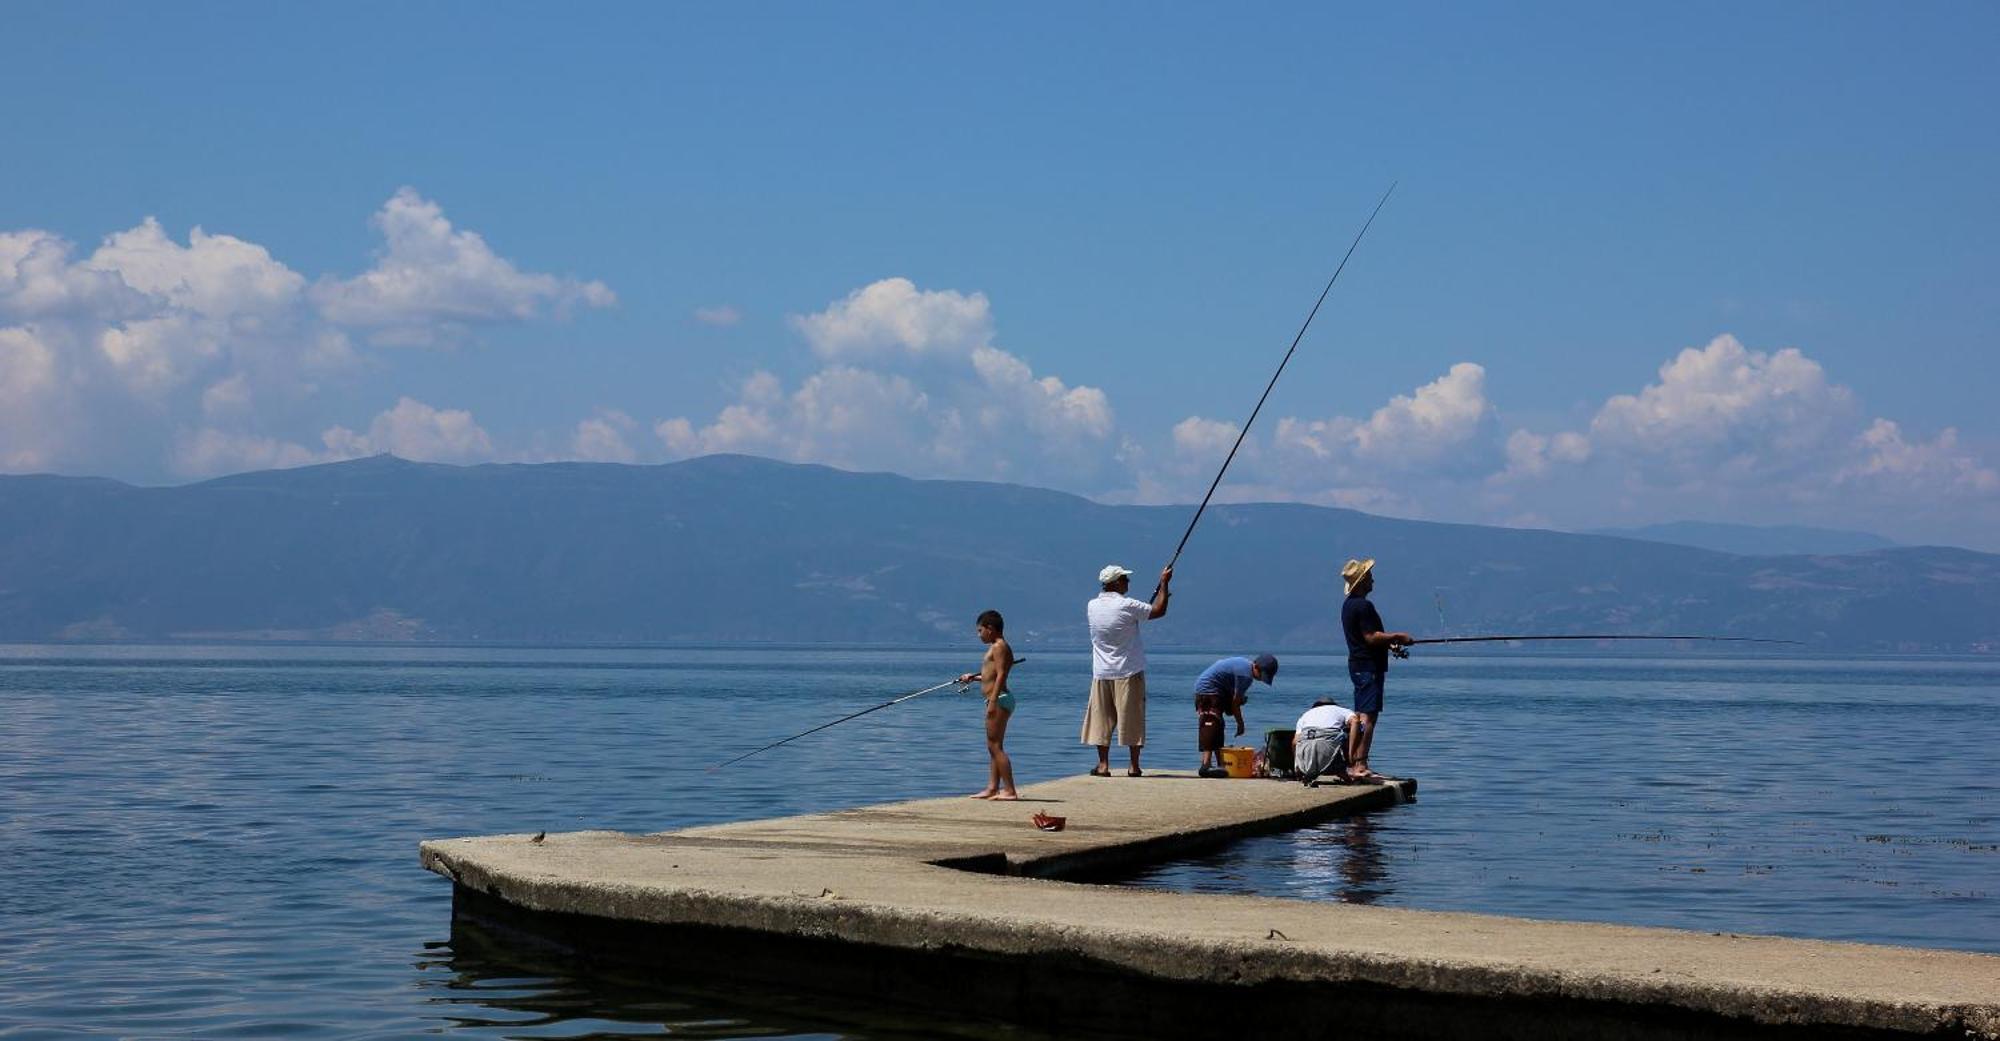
(1399, 650)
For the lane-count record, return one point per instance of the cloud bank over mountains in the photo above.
(146, 342)
(149, 353)
(913, 383)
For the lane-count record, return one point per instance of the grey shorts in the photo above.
(1319, 752)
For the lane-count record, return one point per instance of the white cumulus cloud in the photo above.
(1446, 426)
(415, 430)
(1441, 418)
(431, 279)
(216, 276)
(1916, 468)
(27, 365)
(1439, 433)
(27, 378)
(1731, 433)
(410, 429)
(1050, 408)
(602, 438)
(208, 451)
(841, 415)
(39, 281)
(1206, 441)
(1533, 455)
(1749, 412)
(151, 354)
(894, 316)
(963, 407)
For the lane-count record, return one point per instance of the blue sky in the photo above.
(470, 232)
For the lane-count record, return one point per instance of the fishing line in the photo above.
(1603, 636)
(856, 715)
(1586, 636)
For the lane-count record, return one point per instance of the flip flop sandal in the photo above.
(1098, 772)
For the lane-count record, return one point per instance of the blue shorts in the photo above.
(1005, 702)
(1367, 690)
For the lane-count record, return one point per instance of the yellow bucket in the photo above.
(1240, 761)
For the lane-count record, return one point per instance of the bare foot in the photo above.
(1007, 797)
(987, 794)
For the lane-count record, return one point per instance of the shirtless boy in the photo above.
(992, 677)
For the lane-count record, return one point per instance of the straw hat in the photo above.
(1355, 571)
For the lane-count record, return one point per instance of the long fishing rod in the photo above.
(1404, 653)
(843, 719)
(1245, 432)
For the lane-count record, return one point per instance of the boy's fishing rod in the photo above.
(1245, 432)
(1402, 652)
(843, 719)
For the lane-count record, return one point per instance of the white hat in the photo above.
(1112, 573)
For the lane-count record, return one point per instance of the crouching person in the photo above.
(1320, 741)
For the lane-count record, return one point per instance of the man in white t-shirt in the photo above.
(1319, 742)
(1118, 665)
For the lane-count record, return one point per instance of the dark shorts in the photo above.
(1367, 690)
(1208, 713)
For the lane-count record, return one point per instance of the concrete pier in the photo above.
(962, 905)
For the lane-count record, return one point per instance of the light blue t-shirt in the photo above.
(1230, 676)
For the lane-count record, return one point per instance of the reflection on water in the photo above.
(1346, 859)
(485, 985)
(1340, 860)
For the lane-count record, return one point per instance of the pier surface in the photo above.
(959, 901)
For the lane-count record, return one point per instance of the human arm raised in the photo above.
(1162, 594)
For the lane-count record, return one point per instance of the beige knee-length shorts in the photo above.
(1116, 705)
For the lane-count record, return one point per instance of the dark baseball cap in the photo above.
(1267, 666)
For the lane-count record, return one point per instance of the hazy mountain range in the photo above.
(731, 548)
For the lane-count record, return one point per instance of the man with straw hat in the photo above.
(1367, 661)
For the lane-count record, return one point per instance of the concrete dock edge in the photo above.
(856, 902)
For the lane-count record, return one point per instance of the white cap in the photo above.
(1112, 573)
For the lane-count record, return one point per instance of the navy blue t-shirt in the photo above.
(1357, 619)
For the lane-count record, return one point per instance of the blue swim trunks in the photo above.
(1005, 702)
(1367, 689)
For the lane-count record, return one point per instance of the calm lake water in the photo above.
(221, 841)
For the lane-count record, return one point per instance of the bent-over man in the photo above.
(1221, 690)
